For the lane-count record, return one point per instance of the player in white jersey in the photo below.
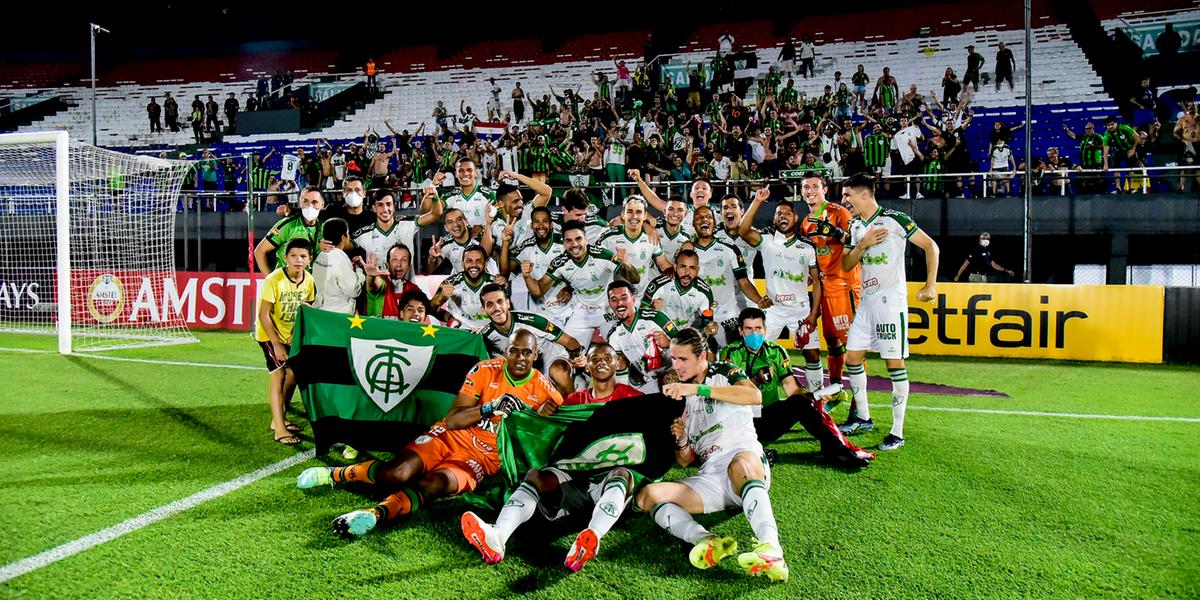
(378, 237)
(700, 194)
(670, 228)
(512, 209)
(731, 216)
(470, 196)
(577, 207)
(641, 337)
(790, 263)
(724, 270)
(458, 238)
(558, 351)
(878, 239)
(716, 430)
(587, 270)
(642, 249)
(459, 293)
(684, 298)
(539, 249)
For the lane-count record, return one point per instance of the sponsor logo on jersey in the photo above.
(881, 259)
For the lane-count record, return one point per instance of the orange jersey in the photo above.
(829, 252)
(489, 380)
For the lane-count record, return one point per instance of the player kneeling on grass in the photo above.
(558, 493)
(455, 454)
(717, 429)
(283, 291)
(785, 403)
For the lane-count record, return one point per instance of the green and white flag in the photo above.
(377, 383)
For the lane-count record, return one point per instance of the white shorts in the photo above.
(883, 330)
(712, 482)
(779, 317)
(583, 323)
(551, 352)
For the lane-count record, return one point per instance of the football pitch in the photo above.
(990, 498)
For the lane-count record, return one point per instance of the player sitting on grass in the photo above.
(558, 493)
(717, 430)
(456, 453)
(283, 291)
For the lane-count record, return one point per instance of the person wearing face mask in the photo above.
(351, 209)
(980, 265)
(784, 401)
(302, 225)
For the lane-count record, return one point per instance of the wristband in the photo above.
(703, 391)
(486, 410)
(683, 446)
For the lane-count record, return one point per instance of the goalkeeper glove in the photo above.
(506, 405)
(827, 229)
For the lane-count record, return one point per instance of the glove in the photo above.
(506, 405)
(827, 229)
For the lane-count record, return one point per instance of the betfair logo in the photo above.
(882, 259)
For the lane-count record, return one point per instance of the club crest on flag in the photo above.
(387, 370)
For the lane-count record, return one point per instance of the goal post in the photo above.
(87, 240)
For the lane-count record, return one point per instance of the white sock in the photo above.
(609, 507)
(899, 399)
(517, 510)
(814, 375)
(678, 522)
(757, 506)
(858, 386)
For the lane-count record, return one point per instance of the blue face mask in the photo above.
(754, 341)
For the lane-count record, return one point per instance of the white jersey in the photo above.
(749, 253)
(473, 203)
(375, 240)
(683, 305)
(641, 252)
(671, 244)
(883, 278)
(787, 262)
(594, 227)
(588, 279)
(721, 266)
(522, 230)
(712, 425)
(540, 256)
(545, 331)
(453, 252)
(633, 342)
(464, 303)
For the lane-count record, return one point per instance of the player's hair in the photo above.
(312, 188)
(505, 189)
(464, 159)
(492, 288)
(417, 295)
(540, 209)
(787, 203)
(618, 284)
(670, 199)
(575, 199)
(596, 345)
(349, 180)
(573, 225)
(687, 252)
(733, 196)
(476, 248)
(398, 246)
(691, 338)
(1110, 119)
(815, 175)
(446, 214)
(697, 210)
(701, 178)
(631, 199)
(751, 312)
(381, 194)
(298, 244)
(334, 229)
(861, 181)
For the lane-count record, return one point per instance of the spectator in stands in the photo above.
(1001, 133)
(1143, 104)
(1091, 157)
(1187, 131)
(933, 184)
(1002, 165)
(950, 87)
(251, 102)
(808, 57)
(725, 43)
(198, 120)
(231, 111)
(171, 110)
(231, 177)
(154, 111)
(860, 79)
(1168, 42)
(624, 83)
(907, 158)
(1052, 178)
(370, 70)
(887, 91)
(1006, 65)
(1120, 149)
(211, 122)
(518, 98)
(982, 267)
(787, 57)
(975, 62)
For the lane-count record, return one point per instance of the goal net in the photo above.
(87, 244)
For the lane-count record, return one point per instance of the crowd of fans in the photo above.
(204, 116)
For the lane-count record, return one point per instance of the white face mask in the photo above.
(353, 200)
(984, 243)
(310, 213)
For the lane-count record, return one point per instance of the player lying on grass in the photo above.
(785, 403)
(455, 454)
(717, 430)
(558, 493)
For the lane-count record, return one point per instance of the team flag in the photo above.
(377, 383)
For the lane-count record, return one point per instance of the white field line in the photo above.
(21, 567)
(1031, 413)
(140, 360)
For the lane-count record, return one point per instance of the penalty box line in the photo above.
(149, 361)
(1032, 413)
(53, 555)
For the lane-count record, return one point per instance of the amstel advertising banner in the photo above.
(1121, 323)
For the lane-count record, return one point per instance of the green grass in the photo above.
(976, 505)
